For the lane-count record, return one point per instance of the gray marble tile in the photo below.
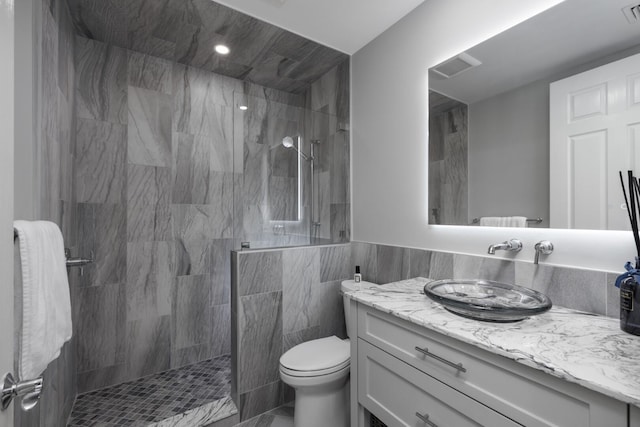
(100, 162)
(149, 72)
(148, 346)
(260, 340)
(473, 267)
(152, 27)
(613, 296)
(194, 228)
(194, 49)
(190, 355)
(419, 263)
(292, 339)
(340, 220)
(219, 409)
(221, 330)
(335, 263)
(221, 271)
(65, 50)
(227, 422)
(393, 264)
(366, 256)
(202, 170)
(101, 330)
(149, 279)
(197, 97)
(278, 417)
(330, 93)
(328, 309)
(148, 203)
(300, 272)
(104, 20)
(102, 231)
(100, 378)
(101, 81)
(191, 313)
(260, 400)
(441, 266)
(320, 60)
(149, 129)
(259, 272)
(570, 288)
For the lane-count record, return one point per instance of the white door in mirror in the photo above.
(594, 134)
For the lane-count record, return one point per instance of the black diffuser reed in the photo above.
(628, 282)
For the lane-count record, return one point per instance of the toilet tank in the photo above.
(347, 286)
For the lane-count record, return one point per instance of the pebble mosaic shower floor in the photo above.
(150, 400)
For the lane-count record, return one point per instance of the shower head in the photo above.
(287, 141)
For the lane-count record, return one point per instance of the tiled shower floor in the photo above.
(150, 400)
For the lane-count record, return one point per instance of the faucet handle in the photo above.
(543, 247)
(515, 245)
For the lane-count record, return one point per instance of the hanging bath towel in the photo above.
(46, 306)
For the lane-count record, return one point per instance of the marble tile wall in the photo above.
(327, 121)
(591, 291)
(55, 150)
(280, 298)
(184, 31)
(155, 185)
(448, 176)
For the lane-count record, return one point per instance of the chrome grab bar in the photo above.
(29, 390)
(425, 419)
(426, 352)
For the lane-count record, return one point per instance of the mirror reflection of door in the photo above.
(594, 133)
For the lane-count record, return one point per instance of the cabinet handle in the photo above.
(425, 419)
(426, 352)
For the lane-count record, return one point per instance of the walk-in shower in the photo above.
(158, 155)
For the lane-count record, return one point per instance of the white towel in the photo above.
(503, 221)
(46, 306)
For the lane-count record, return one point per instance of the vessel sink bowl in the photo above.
(487, 300)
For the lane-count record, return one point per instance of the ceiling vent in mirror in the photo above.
(456, 65)
(632, 13)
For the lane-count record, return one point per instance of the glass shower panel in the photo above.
(281, 197)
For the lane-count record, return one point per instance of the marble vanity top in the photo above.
(582, 348)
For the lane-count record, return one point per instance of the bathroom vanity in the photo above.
(414, 363)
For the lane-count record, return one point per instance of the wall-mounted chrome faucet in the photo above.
(543, 247)
(513, 245)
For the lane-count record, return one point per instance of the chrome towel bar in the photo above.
(29, 390)
(535, 220)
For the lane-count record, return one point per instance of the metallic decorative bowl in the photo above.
(487, 300)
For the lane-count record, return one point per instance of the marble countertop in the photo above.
(579, 347)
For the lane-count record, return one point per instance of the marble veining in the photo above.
(579, 347)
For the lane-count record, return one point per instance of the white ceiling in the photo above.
(345, 25)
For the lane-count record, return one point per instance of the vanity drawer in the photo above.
(395, 392)
(526, 395)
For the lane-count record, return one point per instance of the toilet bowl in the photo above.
(318, 370)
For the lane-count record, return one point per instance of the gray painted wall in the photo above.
(509, 154)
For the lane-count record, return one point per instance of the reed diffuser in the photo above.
(628, 282)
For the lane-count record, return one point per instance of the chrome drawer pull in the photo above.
(425, 419)
(425, 351)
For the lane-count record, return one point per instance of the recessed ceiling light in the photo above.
(243, 107)
(222, 49)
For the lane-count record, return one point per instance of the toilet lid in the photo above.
(317, 355)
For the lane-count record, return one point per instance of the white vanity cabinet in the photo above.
(406, 372)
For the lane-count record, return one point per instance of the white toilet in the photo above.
(318, 370)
